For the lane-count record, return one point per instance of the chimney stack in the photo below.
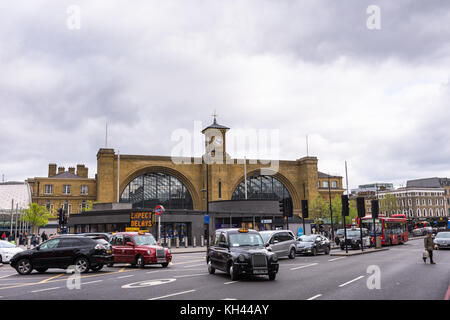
(82, 171)
(72, 170)
(51, 170)
(61, 170)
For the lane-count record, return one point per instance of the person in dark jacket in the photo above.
(429, 246)
(44, 236)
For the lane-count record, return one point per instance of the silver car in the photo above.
(442, 240)
(281, 242)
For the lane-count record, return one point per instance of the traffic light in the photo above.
(361, 206)
(375, 209)
(282, 207)
(305, 213)
(345, 210)
(60, 216)
(288, 208)
(65, 217)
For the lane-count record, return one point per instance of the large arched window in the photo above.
(261, 187)
(152, 189)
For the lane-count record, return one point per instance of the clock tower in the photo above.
(215, 142)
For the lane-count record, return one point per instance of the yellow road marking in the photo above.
(50, 281)
(51, 278)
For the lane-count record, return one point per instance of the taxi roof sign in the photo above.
(243, 230)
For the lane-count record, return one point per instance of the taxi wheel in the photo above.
(314, 251)
(164, 265)
(272, 276)
(292, 254)
(327, 250)
(211, 270)
(233, 273)
(140, 262)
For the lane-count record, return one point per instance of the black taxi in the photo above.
(240, 252)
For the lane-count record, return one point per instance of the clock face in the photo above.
(218, 141)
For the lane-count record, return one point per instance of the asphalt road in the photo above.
(403, 275)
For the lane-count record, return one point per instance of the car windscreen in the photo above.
(144, 240)
(443, 235)
(101, 241)
(353, 233)
(266, 236)
(245, 240)
(307, 238)
(5, 244)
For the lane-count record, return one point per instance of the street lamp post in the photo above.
(331, 210)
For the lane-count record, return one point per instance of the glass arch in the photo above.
(157, 188)
(261, 187)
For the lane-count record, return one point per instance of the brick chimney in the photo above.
(82, 171)
(51, 170)
(61, 170)
(72, 170)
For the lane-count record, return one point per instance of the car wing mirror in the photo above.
(275, 241)
(131, 244)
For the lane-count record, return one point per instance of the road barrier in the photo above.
(169, 243)
(202, 241)
(177, 242)
(194, 243)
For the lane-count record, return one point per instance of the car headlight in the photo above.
(274, 258)
(149, 252)
(241, 258)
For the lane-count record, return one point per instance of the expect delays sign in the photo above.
(141, 219)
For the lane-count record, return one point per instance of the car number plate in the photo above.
(259, 271)
(161, 260)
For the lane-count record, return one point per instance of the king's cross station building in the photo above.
(187, 188)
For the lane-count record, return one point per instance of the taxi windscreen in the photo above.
(245, 240)
(144, 240)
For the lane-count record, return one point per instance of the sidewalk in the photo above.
(357, 252)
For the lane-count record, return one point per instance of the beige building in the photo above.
(71, 190)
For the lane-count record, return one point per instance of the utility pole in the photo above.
(331, 209)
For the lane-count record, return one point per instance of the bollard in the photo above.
(202, 241)
(177, 241)
(169, 243)
(29, 244)
(194, 244)
(186, 242)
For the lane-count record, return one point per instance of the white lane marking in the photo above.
(192, 275)
(348, 282)
(315, 297)
(9, 275)
(231, 282)
(308, 265)
(337, 259)
(195, 265)
(45, 289)
(153, 271)
(83, 283)
(173, 294)
(229, 299)
(131, 275)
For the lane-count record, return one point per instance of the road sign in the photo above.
(206, 219)
(159, 210)
(300, 231)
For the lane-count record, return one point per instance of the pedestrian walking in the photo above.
(44, 236)
(4, 236)
(34, 240)
(429, 246)
(20, 238)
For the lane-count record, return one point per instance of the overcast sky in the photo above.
(378, 98)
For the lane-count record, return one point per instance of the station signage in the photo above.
(141, 219)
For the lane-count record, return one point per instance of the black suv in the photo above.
(81, 252)
(241, 252)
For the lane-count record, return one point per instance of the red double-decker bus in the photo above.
(392, 230)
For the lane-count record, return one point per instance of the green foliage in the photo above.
(318, 209)
(36, 215)
(389, 204)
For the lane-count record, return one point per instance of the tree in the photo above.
(37, 216)
(318, 208)
(389, 204)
